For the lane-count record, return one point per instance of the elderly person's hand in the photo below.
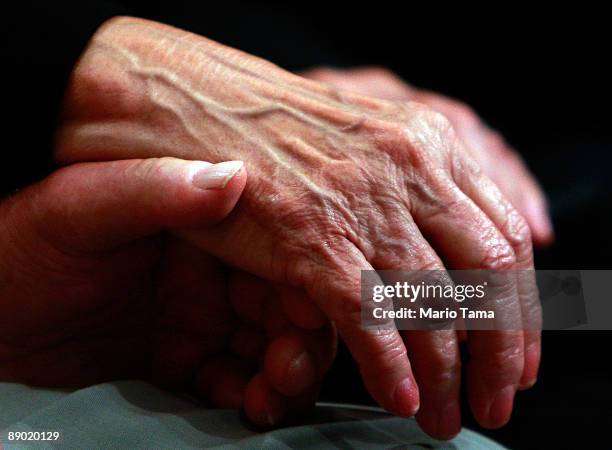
(91, 290)
(339, 183)
(496, 158)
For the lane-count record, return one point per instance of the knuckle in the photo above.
(390, 352)
(146, 168)
(414, 147)
(429, 130)
(498, 256)
(167, 170)
(510, 363)
(464, 168)
(354, 315)
(442, 367)
(349, 313)
(444, 373)
(434, 120)
(518, 234)
(507, 359)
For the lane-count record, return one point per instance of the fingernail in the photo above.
(501, 407)
(406, 398)
(216, 176)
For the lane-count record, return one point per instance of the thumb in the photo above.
(92, 206)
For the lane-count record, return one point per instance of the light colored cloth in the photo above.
(136, 415)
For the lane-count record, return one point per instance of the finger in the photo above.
(507, 169)
(289, 365)
(223, 381)
(501, 163)
(514, 178)
(434, 355)
(516, 231)
(275, 321)
(527, 196)
(300, 310)
(92, 206)
(467, 239)
(379, 351)
(437, 367)
(192, 317)
(263, 405)
(248, 296)
(296, 360)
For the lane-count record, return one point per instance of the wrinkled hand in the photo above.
(91, 291)
(274, 350)
(338, 183)
(496, 158)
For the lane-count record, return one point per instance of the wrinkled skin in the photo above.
(495, 157)
(92, 291)
(338, 183)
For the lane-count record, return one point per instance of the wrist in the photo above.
(144, 89)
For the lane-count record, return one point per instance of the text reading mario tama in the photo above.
(429, 301)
